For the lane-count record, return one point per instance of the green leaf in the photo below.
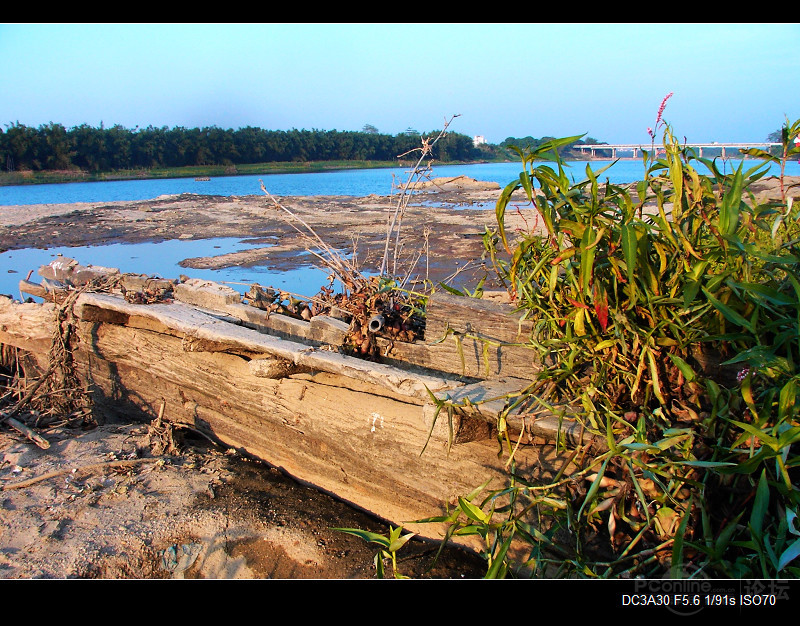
(576, 229)
(789, 437)
(380, 572)
(788, 555)
(724, 538)
(759, 253)
(771, 441)
(451, 290)
(757, 357)
(474, 493)
(729, 211)
(788, 396)
(365, 535)
(728, 312)
(500, 210)
(760, 506)
(677, 546)
(553, 144)
(398, 541)
(472, 529)
(525, 181)
(629, 246)
(471, 511)
(767, 293)
(668, 442)
(606, 343)
(639, 447)
(697, 270)
(690, 291)
(498, 568)
(708, 464)
(761, 154)
(588, 251)
(686, 369)
(594, 486)
(654, 376)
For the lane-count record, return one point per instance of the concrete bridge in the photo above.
(635, 148)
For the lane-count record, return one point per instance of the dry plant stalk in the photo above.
(64, 385)
(345, 270)
(415, 175)
(367, 299)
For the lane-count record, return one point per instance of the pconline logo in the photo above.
(683, 596)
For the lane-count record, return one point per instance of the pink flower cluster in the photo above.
(662, 107)
(650, 131)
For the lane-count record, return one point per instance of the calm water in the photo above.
(339, 183)
(162, 258)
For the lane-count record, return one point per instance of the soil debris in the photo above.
(104, 503)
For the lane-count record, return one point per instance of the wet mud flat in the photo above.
(445, 226)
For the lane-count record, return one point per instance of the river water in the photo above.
(162, 258)
(337, 183)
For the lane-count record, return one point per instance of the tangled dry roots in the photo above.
(63, 398)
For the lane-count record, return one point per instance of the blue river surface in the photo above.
(334, 183)
(162, 258)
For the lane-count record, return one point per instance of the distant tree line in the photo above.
(54, 147)
(568, 151)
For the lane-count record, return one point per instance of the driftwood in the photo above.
(478, 338)
(28, 432)
(45, 290)
(372, 434)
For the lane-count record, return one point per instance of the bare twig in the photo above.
(402, 202)
(27, 398)
(345, 270)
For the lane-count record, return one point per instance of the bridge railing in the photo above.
(635, 148)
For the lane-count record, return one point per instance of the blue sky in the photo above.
(731, 82)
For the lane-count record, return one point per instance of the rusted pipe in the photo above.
(376, 322)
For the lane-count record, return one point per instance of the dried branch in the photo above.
(29, 395)
(345, 270)
(28, 432)
(402, 202)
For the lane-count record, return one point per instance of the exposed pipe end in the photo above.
(376, 322)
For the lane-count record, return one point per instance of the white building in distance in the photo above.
(477, 140)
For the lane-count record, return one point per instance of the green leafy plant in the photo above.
(667, 314)
(389, 545)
